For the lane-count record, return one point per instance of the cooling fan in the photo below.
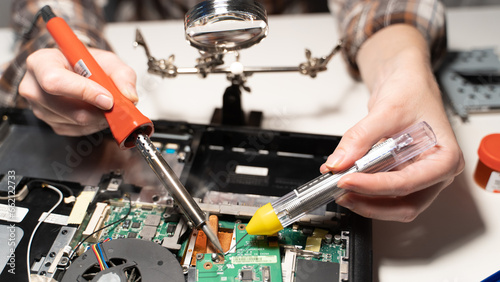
(127, 260)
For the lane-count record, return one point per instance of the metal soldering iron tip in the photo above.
(212, 237)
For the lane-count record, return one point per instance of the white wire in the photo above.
(38, 224)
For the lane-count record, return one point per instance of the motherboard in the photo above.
(290, 255)
(79, 209)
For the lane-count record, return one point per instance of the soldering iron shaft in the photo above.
(125, 120)
(173, 185)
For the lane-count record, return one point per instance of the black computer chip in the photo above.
(311, 270)
(246, 275)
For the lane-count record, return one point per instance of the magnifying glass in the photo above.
(221, 26)
(216, 27)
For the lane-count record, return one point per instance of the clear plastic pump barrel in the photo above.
(382, 157)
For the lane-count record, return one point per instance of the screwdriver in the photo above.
(384, 156)
(130, 128)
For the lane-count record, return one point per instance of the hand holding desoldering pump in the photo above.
(384, 156)
(129, 127)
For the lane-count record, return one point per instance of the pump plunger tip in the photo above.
(264, 221)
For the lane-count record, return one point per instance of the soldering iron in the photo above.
(130, 128)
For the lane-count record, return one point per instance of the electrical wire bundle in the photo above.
(101, 259)
(104, 227)
(52, 186)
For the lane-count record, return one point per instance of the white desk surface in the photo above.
(456, 239)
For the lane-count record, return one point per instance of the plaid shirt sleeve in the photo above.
(359, 19)
(83, 17)
(86, 19)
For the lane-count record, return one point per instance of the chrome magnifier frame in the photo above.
(221, 26)
(217, 27)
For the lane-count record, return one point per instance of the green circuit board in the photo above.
(142, 221)
(253, 259)
(258, 258)
(137, 221)
(331, 252)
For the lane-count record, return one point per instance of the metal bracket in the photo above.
(62, 240)
(213, 63)
(315, 65)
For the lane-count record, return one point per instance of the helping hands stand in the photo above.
(217, 28)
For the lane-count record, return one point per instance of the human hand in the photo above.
(71, 104)
(394, 64)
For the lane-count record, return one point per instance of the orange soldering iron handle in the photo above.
(124, 119)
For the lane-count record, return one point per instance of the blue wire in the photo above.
(102, 255)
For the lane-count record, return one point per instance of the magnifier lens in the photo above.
(220, 26)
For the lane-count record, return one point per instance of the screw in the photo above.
(63, 261)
